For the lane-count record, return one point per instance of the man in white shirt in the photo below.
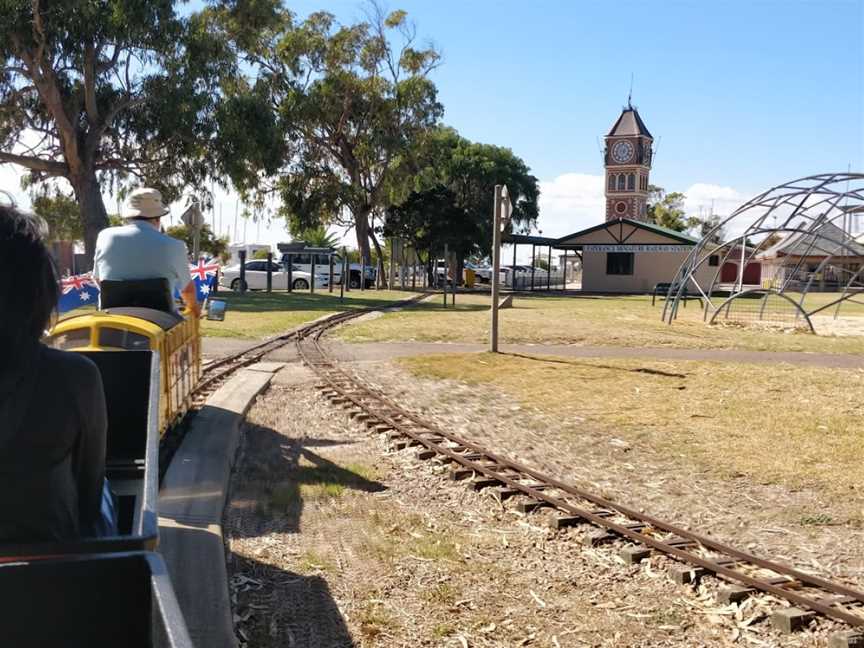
(139, 250)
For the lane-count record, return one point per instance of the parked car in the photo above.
(303, 261)
(256, 277)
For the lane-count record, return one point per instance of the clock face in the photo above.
(622, 152)
(620, 207)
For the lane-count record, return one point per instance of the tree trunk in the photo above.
(91, 208)
(361, 226)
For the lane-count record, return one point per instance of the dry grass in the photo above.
(784, 424)
(628, 321)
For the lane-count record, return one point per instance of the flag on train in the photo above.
(204, 275)
(77, 291)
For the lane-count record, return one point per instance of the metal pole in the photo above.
(446, 272)
(549, 270)
(533, 257)
(513, 269)
(362, 274)
(330, 280)
(269, 272)
(312, 273)
(342, 281)
(392, 278)
(242, 271)
(346, 274)
(496, 266)
(564, 278)
(290, 274)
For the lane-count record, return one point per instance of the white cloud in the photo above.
(703, 197)
(571, 202)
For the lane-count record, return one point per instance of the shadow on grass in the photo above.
(274, 477)
(644, 370)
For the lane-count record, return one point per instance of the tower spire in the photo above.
(630, 93)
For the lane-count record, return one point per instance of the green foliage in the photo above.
(260, 254)
(667, 210)
(470, 171)
(318, 237)
(431, 219)
(61, 213)
(123, 91)
(350, 100)
(215, 246)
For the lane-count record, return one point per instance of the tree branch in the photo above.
(35, 164)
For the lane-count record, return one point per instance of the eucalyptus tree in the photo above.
(116, 91)
(350, 100)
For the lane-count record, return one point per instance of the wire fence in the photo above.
(762, 307)
(540, 280)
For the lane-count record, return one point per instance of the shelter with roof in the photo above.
(627, 254)
(826, 257)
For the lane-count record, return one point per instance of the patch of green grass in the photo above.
(624, 321)
(322, 481)
(441, 594)
(816, 519)
(375, 621)
(310, 561)
(443, 630)
(262, 314)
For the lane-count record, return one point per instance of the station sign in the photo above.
(636, 247)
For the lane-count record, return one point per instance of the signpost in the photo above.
(501, 219)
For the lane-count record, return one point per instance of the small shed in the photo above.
(628, 256)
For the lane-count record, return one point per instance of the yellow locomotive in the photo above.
(130, 328)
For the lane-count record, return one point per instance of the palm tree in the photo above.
(318, 237)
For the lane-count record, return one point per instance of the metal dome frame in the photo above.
(810, 206)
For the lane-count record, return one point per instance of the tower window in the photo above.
(621, 182)
(631, 182)
(611, 184)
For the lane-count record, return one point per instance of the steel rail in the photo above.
(471, 456)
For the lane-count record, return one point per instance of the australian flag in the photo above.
(77, 291)
(204, 276)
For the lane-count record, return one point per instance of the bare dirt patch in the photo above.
(332, 542)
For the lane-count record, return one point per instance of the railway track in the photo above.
(482, 469)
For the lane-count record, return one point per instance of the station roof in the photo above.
(568, 242)
(522, 239)
(828, 240)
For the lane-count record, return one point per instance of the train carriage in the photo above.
(174, 337)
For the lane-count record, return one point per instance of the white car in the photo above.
(256, 277)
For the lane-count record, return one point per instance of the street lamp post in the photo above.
(501, 219)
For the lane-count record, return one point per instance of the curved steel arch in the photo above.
(821, 208)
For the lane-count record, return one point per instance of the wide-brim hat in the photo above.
(145, 203)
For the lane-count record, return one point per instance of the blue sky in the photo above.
(739, 96)
(739, 93)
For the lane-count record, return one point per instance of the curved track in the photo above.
(485, 469)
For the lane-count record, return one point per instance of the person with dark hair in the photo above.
(53, 421)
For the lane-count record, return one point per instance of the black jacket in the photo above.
(53, 430)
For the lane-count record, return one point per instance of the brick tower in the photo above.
(628, 162)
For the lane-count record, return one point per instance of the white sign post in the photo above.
(500, 220)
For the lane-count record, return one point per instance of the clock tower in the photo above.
(628, 162)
